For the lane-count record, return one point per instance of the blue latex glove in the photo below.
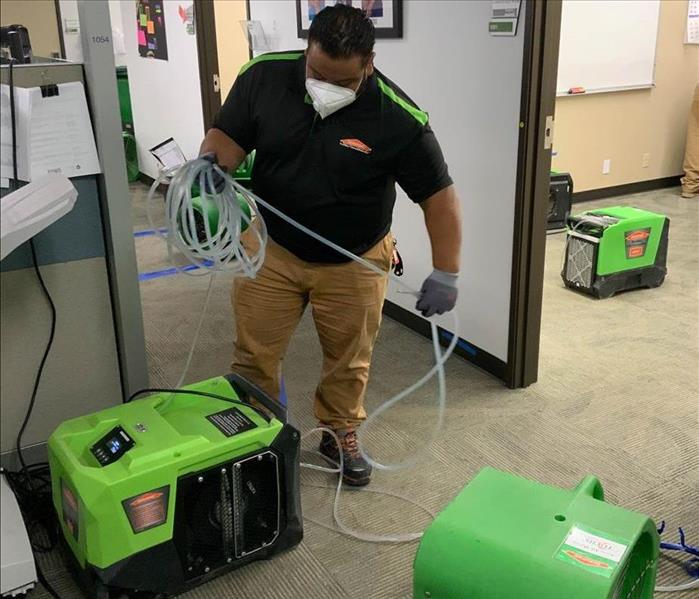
(219, 181)
(438, 293)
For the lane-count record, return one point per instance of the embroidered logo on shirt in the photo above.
(355, 144)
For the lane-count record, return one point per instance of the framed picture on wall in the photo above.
(387, 15)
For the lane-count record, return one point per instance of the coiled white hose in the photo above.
(221, 250)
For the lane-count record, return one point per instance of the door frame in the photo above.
(59, 20)
(542, 27)
(205, 29)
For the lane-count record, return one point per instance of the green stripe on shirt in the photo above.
(265, 57)
(420, 116)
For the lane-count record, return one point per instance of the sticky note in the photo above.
(151, 27)
(141, 38)
(144, 20)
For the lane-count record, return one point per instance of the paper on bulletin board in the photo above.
(691, 35)
(505, 17)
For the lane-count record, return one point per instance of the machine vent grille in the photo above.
(580, 262)
(227, 512)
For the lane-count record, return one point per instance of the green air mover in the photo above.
(205, 207)
(163, 493)
(615, 249)
(504, 537)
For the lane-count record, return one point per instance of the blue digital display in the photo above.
(114, 445)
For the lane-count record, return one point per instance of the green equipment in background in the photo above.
(128, 135)
(163, 493)
(615, 249)
(122, 77)
(243, 173)
(504, 537)
(205, 208)
(131, 155)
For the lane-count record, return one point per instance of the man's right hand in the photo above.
(218, 180)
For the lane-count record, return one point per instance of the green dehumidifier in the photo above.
(615, 249)
(163, 493)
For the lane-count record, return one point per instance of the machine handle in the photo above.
(245, 387)
(590, 485)
(570, 184)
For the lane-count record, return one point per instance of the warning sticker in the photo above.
(231, 422)
(636, 242)
(592, 552)
(147, 510)
(70, 509)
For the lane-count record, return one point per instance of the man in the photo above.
(333, 136)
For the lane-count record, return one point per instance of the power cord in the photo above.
(28, 473)
(47, 350)
(199, 394)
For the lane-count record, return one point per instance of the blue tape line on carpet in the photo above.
(149, 232)
(156, 274)
(460, 343)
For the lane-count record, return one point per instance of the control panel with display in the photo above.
(112, 446)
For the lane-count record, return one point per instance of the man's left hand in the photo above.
(438, 293)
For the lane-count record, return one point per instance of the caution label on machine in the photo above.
(231, 422)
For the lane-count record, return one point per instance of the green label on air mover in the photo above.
(591, 551)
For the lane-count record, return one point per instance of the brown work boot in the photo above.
(356, 471)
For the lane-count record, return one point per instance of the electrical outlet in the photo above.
(645, 161)
(606, 166)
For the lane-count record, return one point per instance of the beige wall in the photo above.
(39, 17)
(623, 126)
(230, 41)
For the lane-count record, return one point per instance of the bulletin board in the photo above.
(150, 29)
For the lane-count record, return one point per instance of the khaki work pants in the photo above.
(690, 181)
(346, 300)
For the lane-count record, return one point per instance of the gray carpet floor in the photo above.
(617, 397)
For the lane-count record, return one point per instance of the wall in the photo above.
(623, 126)
(231, 41)
(39, 17)
(470, 83)
(165, 94)
(72, 41)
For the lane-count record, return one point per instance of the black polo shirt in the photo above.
(335, 175)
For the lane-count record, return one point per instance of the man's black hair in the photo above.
(343, 31)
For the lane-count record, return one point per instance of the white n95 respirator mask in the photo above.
(328, 97)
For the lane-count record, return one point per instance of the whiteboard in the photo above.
(607, 45)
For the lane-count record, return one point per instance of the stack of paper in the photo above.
(54, 133)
